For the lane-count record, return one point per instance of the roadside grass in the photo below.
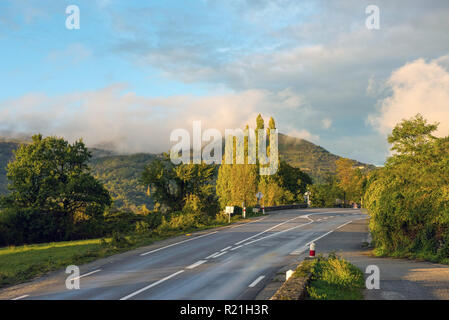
(332, 278)
(22, 263)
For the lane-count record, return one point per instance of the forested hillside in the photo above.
(121, 173)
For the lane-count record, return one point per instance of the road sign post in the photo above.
(229, 211)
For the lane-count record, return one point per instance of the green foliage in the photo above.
(334, 278)
(121, 177)
(326, 195)
(177, 186)
(51, 189)
(408, 199)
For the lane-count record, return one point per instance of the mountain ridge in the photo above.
(121, 172)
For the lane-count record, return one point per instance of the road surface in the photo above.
(227, 263)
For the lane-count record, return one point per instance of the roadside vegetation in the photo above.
(332, 278)
(408, 199)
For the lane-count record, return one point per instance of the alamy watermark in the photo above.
(73, 20)
(235, 140)
(373, 280)
(73, 280)
(372, 22)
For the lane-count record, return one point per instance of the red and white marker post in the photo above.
(244, 212)
(312, 250)
(263, 209)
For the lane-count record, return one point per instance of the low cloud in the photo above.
(117, 116)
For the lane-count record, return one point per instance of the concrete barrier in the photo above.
(286, 207)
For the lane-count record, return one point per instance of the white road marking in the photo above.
(343, 225)
(196, 264)
(151, 285)
(327, 233)
(244, 224)
(87, 274)
(255, 282)
(235, 248)
(265, 231)
(174, 244)
(226, 248)
(275, 234)
(21, 297)
(298, 251)
(212, 255)
(220, 254)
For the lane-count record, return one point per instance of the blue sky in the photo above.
(135, 70)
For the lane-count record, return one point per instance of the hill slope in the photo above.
(310, 158)
(121, 173)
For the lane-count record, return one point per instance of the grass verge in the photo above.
(22, 263)
(332, 278)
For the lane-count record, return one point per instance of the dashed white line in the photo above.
(151, 285)
(220, 254)
(212, 255)
(21, 297)
(265, 231)
(174, 244)
(255, 282)
(196, 264)
(226, 248)
(235, 248)
(277, 233)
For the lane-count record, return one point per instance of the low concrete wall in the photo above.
(286, 207)
(294, 288)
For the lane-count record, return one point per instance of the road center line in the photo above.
(174, 244)
(265, 231)
(220, 254)
(235, 248)
(151, 285)
(226, 248)
(196, 264)
(212, 255)
(21, 297)
(255, 282)
(277, 233)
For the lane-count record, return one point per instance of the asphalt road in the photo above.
(227, 263)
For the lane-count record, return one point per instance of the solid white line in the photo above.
(196, 264)
(226, 248)
(174, 244)
(280, 224)
(212, 255)
(151, 285)
(21, 297)
(343, 225)
(87, 274)
(236, 248)
(220, 254)
(327, 233)
(275, 234)
(255, 282)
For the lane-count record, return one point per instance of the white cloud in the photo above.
(417, 87)
(304, 134)
(137, 123)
